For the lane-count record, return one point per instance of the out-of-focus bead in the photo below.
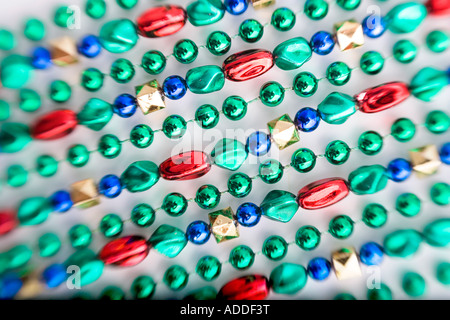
(438, 7)
(259, 4)
(368, 179)
(437, 122)
(54, 275)
(64, 51)
(229, 154)
(125, 105)
(336, 108)
(444, 153)
(279, 205)
(246, 65)
(223, 225)
(292, 54)
(110, 186)
(10, 285)
(205, 12)
(258, 143)
(436, 233)
(253, 287)
(382, 97)
(408, 204)
(322, 43)
(427, 83)
(425, 160)
(84, 193)
(41, 58)
(371, 254)
(374, 26)
(150, 97)
(399, 170)
(283, 131)
(236, 7)
(174, 87)
(349, 35)
(125, 252)
(54, 125)
(61, 201)
(168, 240)
(91, 267)
(185, 166)
(307, 119)
(346, 264)
(198, 232)
(8, 221)
(118, 36)
(111, 225)
(248, 214)
(288, 278)
(319, 268)
(89, 46)
(402, 243)
(161, 21)
(322, 193)
(406, 17)
(140, 176)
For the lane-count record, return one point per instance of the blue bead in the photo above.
(248, 214)
(236, 7)
(54, 275)
(319, 268)
(258, 143)
(322, 43)
(307, 119)
(444, 153)
(61, 201)
(399, 170)
(110, 186)
(374, 26)
(174, 87)
(89, 46)
(125, 105)
(371, 254)
(10, 284)
(198, 232)
(41, 58)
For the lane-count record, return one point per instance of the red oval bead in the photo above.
(253, 287)
(161, 21)
(126, 251)
(322, 193)
(8, 221)
(382, 97)
(438, 7)
(247, 64)
(185, 166)
(54, 125)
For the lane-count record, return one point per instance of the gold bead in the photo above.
(31, 288)
(150, 97)
(425, 160)
(283, 131)
(84, 194)
(63, 51)
(223, 225)
(349, 35)
(258, 4)
(346, 263)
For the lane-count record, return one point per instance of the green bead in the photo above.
(118, 36)
(60, 91)
(307, 238)
(92, 79)
(382, 293)
(112, 293)
(283, 19)
(205, 79)
(408, 205)
(15, 71)
(185, 51)
(95, 114)
(403, 129)
(80, 236)
(239, 185)
(241, 257)
(143, 287)
(207, 116)
(46, 166)
(174, 204)
(7, 40)
(111, 225)
(271, 171)
(303, 160)
(344, 296)
(34, 29)
(368, 179)
(271, 94)
(13, 137)
(64, 17)
(440, 193)
(371, 62)
(49, 245)
(168, 240)
(208, 268)
(176, 277)
(141, 136)
(316, 9)
(174, 126)
(288, 278)
(82, 296)
(33, 211)
(91, 267)
(29, 100)
(413, 284)
(127, 4)
(341, 227)
(18, 256)
(218, 43)
(437, 122)
(17, 176)
(229, 154)
(348, 4)
(336, 108)
(338, 73)
(78, 155)
(205, 12)
(140, 176)
(427, 83)
(292, 54)
(305, 84)
(370, 143)
(337, 152)
(279, 205)
(374, 215)
(437, 232)
(122, 70)
(143, 215)
(275, 248)
(207, 197)
(251, 30)
(443, 273)
(234, 108)
(153, 62)
(406, 17)
(5, 110)
(95, 9)
(438, 41)
(205, 293)
(402, 243)
(109, 146)
(405, 51)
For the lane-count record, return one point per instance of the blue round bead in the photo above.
(10, 284)
(399, 170)
(307, 119)
(322, 43)
(89, 46)
(54, 275)
(374, 26)
(41, 58)
(371, 254)
(444, 153)
(110, 186)
(236, 7)
(248, 214)
(198, 232)
(125, 105)
(319, 268)
(174, 87)
(258, 143)
(61, 201)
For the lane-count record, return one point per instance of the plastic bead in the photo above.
(29, 100)
(174, 204)
(349, 4)
(437, 122)
(337, 152)
(54, 275)
(174, 127)
(143, 287)
(382, 97)
(271, 171)
(89, 46)
(251, 30)
(271, 94)
(371, 62)
(15, 71)
(96, 114)
(405, 51)
(246, 65)
(288, 278)
(92, 79)
(205, 79)
(176, 277)
(370, 143)
(185, 51)
(143, 215)
(125, 252)
(316, 9)
(319, 268)
(168, 240)
(283, 19)
(338, 73)
(49, 245)
(374, 26)
(112, 293)
(13, 137)
(371, 254)
(110, 186)
(322, 193)
(17, 176)
(381, 293)
(258, 143)
(406, 17)
(403, 130)
(444, 153)
(438, 7)
(236, 7)
(91, 268)
(218, 43)
(307, 238)
(427, 83)
(33, 211)
(305, 84)
(239, 185)
(438, 41)
(408, 205)
(368, 179)
(109, 146)
(341, 227)
(437, 232)
(248, 214)
(7, 40)
(208, 268)
(185, 166)
(10, 285)
(307, 119)
(198, 232)
(141, 136)
(413, 284)
(174, 87)
(5, 110)
(252, 287)
(61, 201)
(62, 16)
(336, 108)
(443, 273)
(55, 125)
(122, 71)
(60, 91)
(111, 225)
(153, 62)
(275, 248)
(161, 21)
(234, 108)
(118, 36)
(279, 205)
(241, 257)
(207, 197)
(95, 9)
(8, 221)
(402, 243)
(140, 176)
(399, 170)
(440, 193)
(207, 116)
(80, 236)
(125, 105)
(322, 43)
(344, 296)
(303, 160)
(205, 12)
(78, 155)
(41, 58)
(229, 154)
(292, 54)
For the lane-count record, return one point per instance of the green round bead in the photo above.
(234, 108)
(443, 273)
(288, 278)
(437, 122)
(60, 91)
(153, 62)
(275, 248)
(341, 227)
(91, 267)
(337, 152)
(305, 84)
(127, 4)
(408, 204)
(18, 256)
(370, 143)
(185, 51)
(271, 171)
(122, 70)
(174, 204)
(241, 257)
(403, 130)
(271, 93)
(46, 166)
(95, 9)
(208, 268)
(34, 29)
(207, 196)
(17, 175)
(80, 236)
(5, 110)
(78, 155)
(109, 146)
(118, 36)
(349, 4)
(440, 193)
(316, 9)
(174, 126)
(111, 225)
(374, 215)
(143, 287)
(7, 40)
(239, 185)
(251, 30)
(218, 43)
(63, 17)
(29, 100)
(176, 277)
(404, 51)
(143, 215)
(207, 116)
(371, 62)
(382, 293)
(413, 284)
(344, 296)
(338, 73)
(438, 41)
(303, 160)
(283, 19)
(112, 293)
(307, 238)
(15, 71)
(92, 79)
(141, 136)
(49, 245)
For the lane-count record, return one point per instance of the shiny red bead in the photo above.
(322, 193)
(125, 252)
(254, 287)
(54, 125)
(185, 166)
(247, 64)
(438, 7)
(161, 21)
(8, 221)
(382, 97)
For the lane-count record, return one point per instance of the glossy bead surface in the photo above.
(29, 100)
(251, 287)
(185, 51)
(374, 26)
(283, 19)
(141, 136)
(125, 252)
(89, 46)
(174, 204)
(16, 71)
(436, 233)
(91, 268)
(305, 84)
(223, 225)
(49, 245)
(438, 7)
(288, 278)
(322, 43)
(336, 108)
(174, 87)
(338, 73)
(371, 62)
(443, 273)
(140, 176)
(381, 293)
(174, 126)
(229, 154)
(427, 83)
(444, 153)
(303, 160)
(207, 116)
(122, 71)
(33, 211)
(236, 7)
(241, 257)
(402, 243)
(176, 277)
(258, 143)
(234, 108)
(399, 170)
(271, 171)
(60, 91)
(111, 225)
(80, 236)
(161, 21)
(349, 4)
(118, 36)
(239, 185)
(403, 129)
(13, 137)
(382, 97)
(275, 248)
(337, 152)
(185, 166)
(153, 62)
(109, 146)
(440, 193)
(371, 254)
(205, 12)
(251, 30)
(207, 196)
(205, 79)
(54, 125)
(368, 179)
(307, 238)
(316, 9)
(125, 105)
(143, 215)
(198, 232)
(92, 79)
(341, 227)
(246, 65)
(143, 287)
(292, 54)
(413, 284)
(168, 240)
(110, 186)
(218, 43)
(8, 221)
(307, 119)
(370, 143)
(405, 51)
(95, 9)
(248, 214)
(208, 268)
(54, 275)
(41, 58)
(319, 268)
(408, 204)
(112, 293)
(16, 176)
(96, 114)
(271, 93)
(322, 193)
(78, 155)
(7, 40)
(437, 122)
(438, 41)
(406, 17)
(279, 205)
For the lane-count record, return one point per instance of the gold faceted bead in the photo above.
(283, 131)
(84, 194)
(258, 4)
(223, 225)
(349, 35)
(425, 160)
(150, 97)
(63, 51)
(346, 264)
(31, 288)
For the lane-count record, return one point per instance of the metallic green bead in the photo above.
(140, 176)
(118, 36)
(292, 54)
(5, 110)
(218, 43)
(95, 9)
(229, 154)
(18, 256)
(111, 225)
(153, 62)
(204, 293)
(122, 70)
(29, 100)
(403, 129)
(143, 215)
(174, 126)
(33, 211)
(207, 116)
(370, 143)
(205, 79)
(305, 84)
(374, 215)
(344, 296)
(112, 293)
(80, 236)
(413, 284)
(239, 185)
(49, 245)
(408, 205)
(185, 51)
(208, 268)
(427, 83)
(405, 51)
(91, 267)
(241, 257)
(34, 29)
(7, 40)
(303, 160)
(141, 136)
(338, 73)
(341, 227)
(437, 122)
(14, 137)
(307, 238)
(271, 93)
(279, 205)
(60, 91)
(368, 179)
(78, 155)
(316, 9)
(176, 277)
(288, 278)
(168, 240)
(17, 176)
(92, 79)
(15, 71)
(127, 4)
(381, 293)
(402, 243)
(437, 232)
(438, 41)
(46, 166)
(337, 152)
(271, 171)
(371, 62)
(205, 12)
(348, 4)
(283, 19)
(251, 30)
(96, 114)
(207, 197)
(63, 16)
(443, 273)
(174, 204)
(440, 193)
(336, 108)
(109, 146)
(143, 287)
(275, 248)
(234, 108)
(406, 17)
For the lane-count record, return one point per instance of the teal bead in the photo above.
(275, 248)
(292, 54)
(14, 137)
(271, 171)
(112, 293)
(207, 116)
(443, 273)
(283, 19)
(374, 215)
(338, 73)
(118, 36)
(208, 268)
(185, 51)
(168, 240)
(404, 51)
(80, 236)
(5, 110)
(288, 278)
(427, 83)
(49, 245)
(406, 17)
(111, 225)
(437, 122)
(271, 94)
(381, 293)
(344, 296)
(368, 179)
(92, 79)
(414, 284)
(205, 79)
(176, 277)
(251, 30)
(17, 176)
(7, 40)
(305, 84)
(174, 204)
(241, 257)
(438, 41)
(207, 197)
(229, 154)
(33, 211)
(140, 176)
(78, 155)
(341, 227)
(408, 205)
(279, 205)
(143, 215)
(316, 9)
(437, 232)
(122, 70)
(29, 100)
(402, 243)
(205, 293)
(205, 12)
(303, 160)
(371, 62)
(440, 193)
(143, 287)
(336, 108)
(308, 238)
(239, 185)
(95, 114)
(18, 256)
(90, 266)
(15, 71)
(174, 126)
(218, 43)
(234, 108)
(337, 152)
(95, 9)
(153, 62)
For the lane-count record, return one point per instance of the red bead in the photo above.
(438, 7)
(247, 64)
(382, 97)
(161, 21)
(54, 125)
(185, 166)
(8, 221)
(126, 251)
(254, 287)
(322, 193)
